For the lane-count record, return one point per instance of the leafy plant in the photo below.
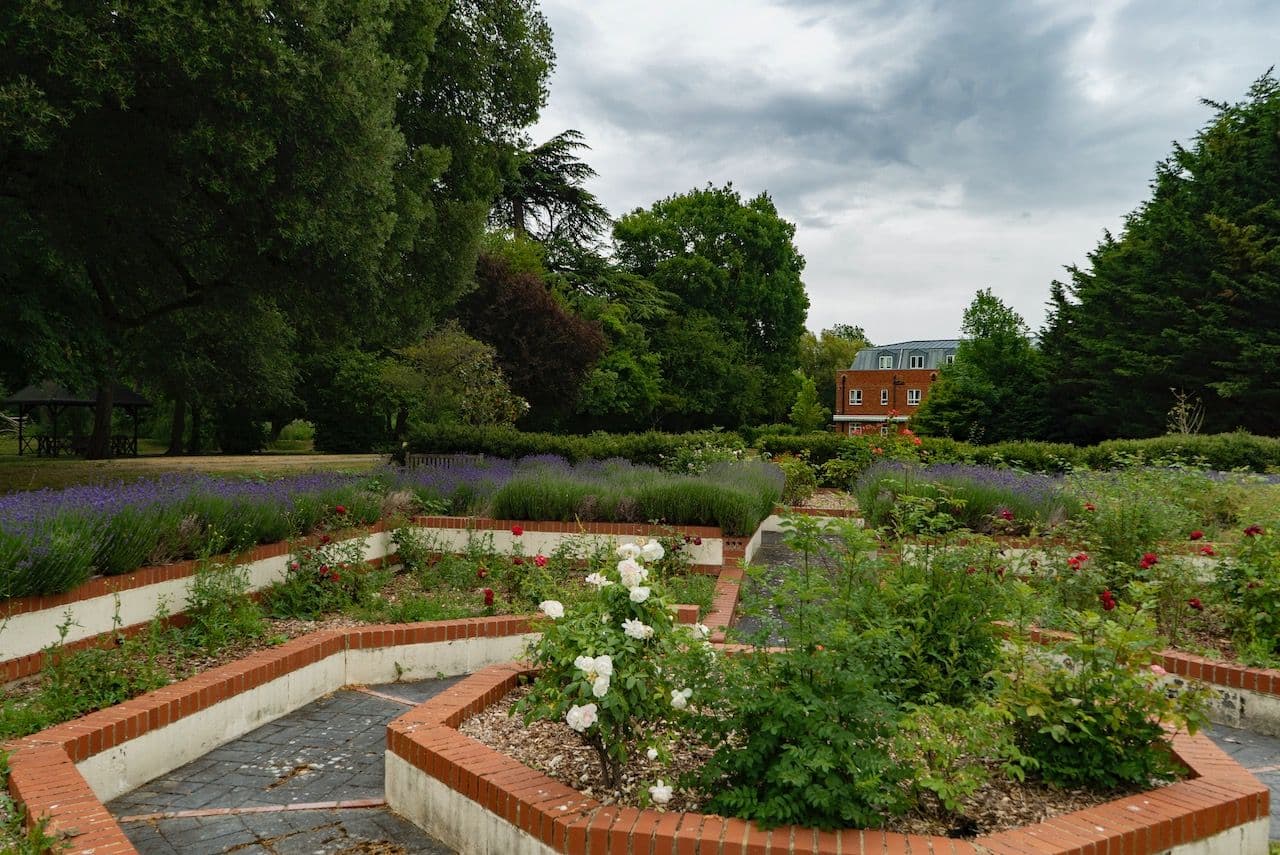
(1249, 583)
(329, 577)
(219, 610)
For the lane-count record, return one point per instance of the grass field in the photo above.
(31, 473)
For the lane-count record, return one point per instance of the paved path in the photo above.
(305, 784)
(1260, 755)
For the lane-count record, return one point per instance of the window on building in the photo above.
(884, 430)
(855, 397)
(884, 397)
(886, 361)
(913, 397)
(916, 361)
(950, 358)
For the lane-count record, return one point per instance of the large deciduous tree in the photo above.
(729, 350)
(994, 390)
(823, 356)
(1187, 298)
(328, 161)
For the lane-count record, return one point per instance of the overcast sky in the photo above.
(923, 149)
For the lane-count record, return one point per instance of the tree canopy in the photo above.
(994, 390)
(1187, 298)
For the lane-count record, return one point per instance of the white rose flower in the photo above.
(637, 629)
(660, 793)
(652, 551)
(606, 617)
(600, 686)
(598, 580)
(680, 698)
(629, 550)
(632, 573)
(652, 754)
(639, 595)
(553, 609)
(581, 718)
(601, 666)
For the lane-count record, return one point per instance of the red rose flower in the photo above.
(324, 538)
(540, 560)
(517, 530)
(1108, 600)
(481, 572)
(1195, 603)
(1149, 559)
(1006, 514)
(1090, 506)
(488, 596)
(517, 561)
(340, 510)
(697, 541)
(1253, 531)
(1207, 549)
(1196, 535)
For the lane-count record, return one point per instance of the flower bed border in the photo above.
(44, 777)
(29, 662)
(1222, 805)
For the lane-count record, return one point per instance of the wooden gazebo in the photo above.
(56, 399)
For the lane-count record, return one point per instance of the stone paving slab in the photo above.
(340, 832)
(1260, 755)
(331, 750)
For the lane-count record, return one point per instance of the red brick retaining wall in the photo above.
(43, 776)
(1219, 796)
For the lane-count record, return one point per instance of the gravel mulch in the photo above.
(556, 750)
(831, 500)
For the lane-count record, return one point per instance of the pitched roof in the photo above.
(50, 392)
(934, 351)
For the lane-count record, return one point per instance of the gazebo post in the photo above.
(133, 411)
(53, 449)
(22, 411)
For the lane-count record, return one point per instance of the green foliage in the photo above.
(1249, 583)
(737, 304)
(995, 389)
(823, 356)
(1097, 723)
(329, 577)
(807, 414)
(650, 448)
(802, 480)
(1183, 299)
(1133, 511)
(945, 750)
(219, 610)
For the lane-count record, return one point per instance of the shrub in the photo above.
(615, 666)
(1098, 721)
(802, 480)
(329, 577)
(1249, 583)
(650, 448)
(219, 609)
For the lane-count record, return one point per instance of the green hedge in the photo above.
(1224, 451)
(651, 448)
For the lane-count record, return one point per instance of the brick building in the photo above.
(887, 384)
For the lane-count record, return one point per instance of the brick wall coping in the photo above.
(43, 775)
(1219, 796)
(101, 586)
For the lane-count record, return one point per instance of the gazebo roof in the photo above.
(52, 393)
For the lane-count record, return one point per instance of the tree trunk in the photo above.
(178, 426)
(402, 422)
(100, 442)
(278, 424)
(194, 446)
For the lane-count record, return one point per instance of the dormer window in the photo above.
(886, 361)
(915, 360)
(950, 358)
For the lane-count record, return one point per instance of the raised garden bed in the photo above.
(480, 800)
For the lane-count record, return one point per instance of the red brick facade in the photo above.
(901, 391)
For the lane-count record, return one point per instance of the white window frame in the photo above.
(884, 397)
(950, 359)
(886, 361)
(913, 397)
(884, 430)
(855, 397)
(915, 360)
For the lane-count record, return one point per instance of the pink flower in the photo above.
(540, 560)
(517, 530)
(294, 565)
(1158, 671)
